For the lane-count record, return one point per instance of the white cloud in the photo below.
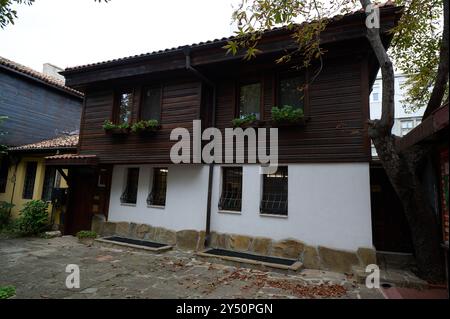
(73, 32)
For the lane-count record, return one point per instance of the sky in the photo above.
(68, 33)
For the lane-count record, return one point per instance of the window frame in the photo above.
(220, 205)
(286, 74)
(44, 184)
(25, 195)
(4, 173)
(123, 197)
(115, 115)
(150, 197)
(275, 212)
(250, 80)
(141, 99)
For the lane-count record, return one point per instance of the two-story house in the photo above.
(315, 207)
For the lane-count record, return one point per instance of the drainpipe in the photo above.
(210, 83)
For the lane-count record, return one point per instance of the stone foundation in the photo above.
(312, 257)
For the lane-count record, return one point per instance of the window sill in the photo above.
(128, 204)
(232, 212)
(156, 206)
(273, 215)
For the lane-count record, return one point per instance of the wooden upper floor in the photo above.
(201, 82)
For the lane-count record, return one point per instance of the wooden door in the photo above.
(81, 190)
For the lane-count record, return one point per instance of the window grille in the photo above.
(129, 196)
(157, 196)
(275, 192)
(231, 198)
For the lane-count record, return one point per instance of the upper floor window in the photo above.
(231, 198)
(151, 103)
(30, 177)
(291, 92)
(406, 126)
(275, 192)
(250, 99)
(157, 197)
(124, 106)
(129, 195)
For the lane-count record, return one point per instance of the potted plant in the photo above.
(86, 237)
(244, 121)
(116, 129)
(287, 116)
(145, 126)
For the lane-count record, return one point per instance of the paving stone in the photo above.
(261, 245)
(239, 242)
(123, 229)
(311, 257)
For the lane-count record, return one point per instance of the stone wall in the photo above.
(312, 257)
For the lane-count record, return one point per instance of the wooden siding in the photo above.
(35, 111)
(180, 106)
(336, 120)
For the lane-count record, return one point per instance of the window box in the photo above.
(145, 127)
(118, 131)
(296, 123)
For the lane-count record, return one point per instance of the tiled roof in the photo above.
(386, 4)
(71, 156)
(65, 141)
(38, 76)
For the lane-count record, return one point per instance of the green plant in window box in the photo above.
(145, 126)
(287, 115)
(86, 237)
(110, 127)
(245, 120)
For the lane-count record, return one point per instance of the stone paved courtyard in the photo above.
(36, 267)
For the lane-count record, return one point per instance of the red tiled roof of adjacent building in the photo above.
(38, 76)
(61, 142)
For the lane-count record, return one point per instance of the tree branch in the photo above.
(387, 107)
(440, 84)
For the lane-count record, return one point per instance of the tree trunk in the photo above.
(401, 168)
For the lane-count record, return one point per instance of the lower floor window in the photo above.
(30, 177)
(231, 198)
(49, 183)
(157, 196)
(275, 192)
(129, 195)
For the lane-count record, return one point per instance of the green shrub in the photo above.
(286, 114)
(5, 213)
(86, 234)
(108, 125)
(244, 120)
(147, 125)
(7, 292)
(33, 217)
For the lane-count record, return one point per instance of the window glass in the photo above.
(30, 177)
(125, 104)
(157, 196)
(129, 195)
(49, 183)
(275, 192)
(231, 198)
(291, 92)
(250, 99)
(151, 104)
